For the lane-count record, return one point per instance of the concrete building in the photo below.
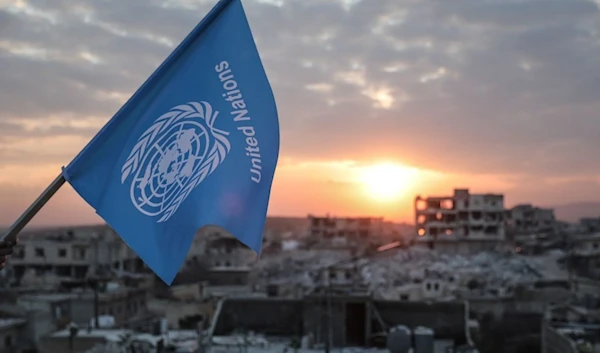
(527, 219)
(429, 289)
(26, 327)
(34, 316)
(125, 305)
(105, 341)
(82, 342)
(345, 274)
(72, 252)
(356, 321)
(11, 334)
(78, 252)
(584, 257)
(177, 312)
(590, 225)
(56, 305)
(347, 229)
(570, 329)
(586, 244)
(463, 222)
(221, 250)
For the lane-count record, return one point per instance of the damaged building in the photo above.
(463, 222)
(347, 229)
(528, 219)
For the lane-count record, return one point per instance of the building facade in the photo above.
(123, 304)
(461, 218)
(590, 225)
(345, 228)
(11, 334)
(74, 252)
(83, 251)
(527, 219)
(570, 329)
(223, 251)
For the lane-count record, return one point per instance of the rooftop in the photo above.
(262, 344)
(47, 297)
(118, 335)
(11, 322)
(78, 294)
(230, 269)
(108, 335)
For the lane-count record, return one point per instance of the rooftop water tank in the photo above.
(424, 340)
(399, 339)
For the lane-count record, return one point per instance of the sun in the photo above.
(387, 181)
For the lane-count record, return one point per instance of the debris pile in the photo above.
(406, 266)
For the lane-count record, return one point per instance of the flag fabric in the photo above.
(196, 145)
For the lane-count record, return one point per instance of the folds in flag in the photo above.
(196, 145)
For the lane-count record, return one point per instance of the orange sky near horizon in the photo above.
(379, 101)
(339, 188)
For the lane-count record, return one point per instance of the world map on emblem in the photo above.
(172, 157)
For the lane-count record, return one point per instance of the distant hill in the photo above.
(572, 212)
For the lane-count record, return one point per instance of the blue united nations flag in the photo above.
(196, 145)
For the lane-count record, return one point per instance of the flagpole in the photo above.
(13, 231)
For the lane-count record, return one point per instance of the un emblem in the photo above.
(172, 157)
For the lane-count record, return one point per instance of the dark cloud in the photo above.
(518, 13)
(495, 86)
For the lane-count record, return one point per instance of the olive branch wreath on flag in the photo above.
(217, 154)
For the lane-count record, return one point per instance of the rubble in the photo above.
(413, 265)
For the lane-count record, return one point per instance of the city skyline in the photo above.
(378, 101)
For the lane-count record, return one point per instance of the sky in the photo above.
(492, 95)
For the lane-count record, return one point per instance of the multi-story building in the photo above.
(590, 225)
(461, 218)
(527, 219)
(221, 250)
(588, 244)
(347, 229)
(70, 252)
(81, 251)
(584, 256)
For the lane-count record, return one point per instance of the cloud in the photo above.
(499, 87)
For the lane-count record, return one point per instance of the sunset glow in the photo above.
(387, 181)
(374, 107)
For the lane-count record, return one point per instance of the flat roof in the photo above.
(11, 322)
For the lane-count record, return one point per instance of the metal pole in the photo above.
(96, 285)
(13, 231)
(326, 287)
(329, 318)
(96, 304)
